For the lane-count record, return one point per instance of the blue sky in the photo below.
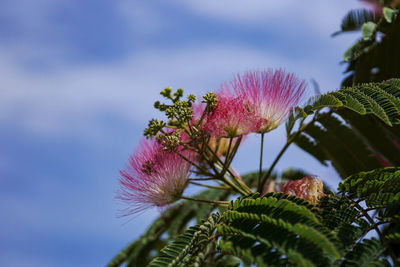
(78, 80)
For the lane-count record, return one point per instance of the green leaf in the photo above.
(395, 237)
(173, 254)
(390, 14)
(336, 142)
(309, 145)
(138, 250)
(379, 99)
(273, 225)
(321, 101)
(368, 30)
(380, 187)
(354, 19)
(340, 215)
(364, 253)
(375, 135)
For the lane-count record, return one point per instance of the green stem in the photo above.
(122, 256)
(234, 150)
(211, 186)
(227, 156)
(288, 143)
(235, 185)
(271, 168)
(261, 160)
(216, 202)
(192, 163)
(202, 179)
(242, 189)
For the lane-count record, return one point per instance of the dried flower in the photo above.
(310, 188)
(269, 94)
(153, 177)
(230, 118)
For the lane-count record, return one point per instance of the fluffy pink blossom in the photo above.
(153, 177)
(269, 94)
(231, 118)
(310, 188)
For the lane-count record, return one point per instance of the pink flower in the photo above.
(310, 188)
(231, 118)
(153, 177)
(269, 94)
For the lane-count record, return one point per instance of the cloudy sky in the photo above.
(78, 80)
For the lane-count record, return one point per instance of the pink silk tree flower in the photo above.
(310, 188)
(153, 177)
(230, 118)
(269, 94)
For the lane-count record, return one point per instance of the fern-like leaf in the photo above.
(173, 254)
(379, 99)
(354, 19)
(379, 187)
(280, 224)
(365, 253)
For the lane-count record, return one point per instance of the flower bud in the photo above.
(310, 188)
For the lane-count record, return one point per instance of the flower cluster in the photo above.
(203, 137)
(257, 101)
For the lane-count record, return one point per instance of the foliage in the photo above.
(248, 220)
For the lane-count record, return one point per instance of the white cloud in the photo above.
(71, 100)
(142, 17)
(29, 16)
(321, 16)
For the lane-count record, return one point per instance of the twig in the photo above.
(261, 160)
(215, 202)
(211, 186)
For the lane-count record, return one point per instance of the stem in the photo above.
(202, 117)
(271, 168)
(221, 177)
(211, 186)
(217, 143)
(122, 256)
(261, 160)
(235, 184)
(227, 156)
(371, 221)
(216, 202)
(214, 155)
(202, 179)
(288, 143)
(375, 208)
(192, 163)
(234, 150)
(378, 231)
